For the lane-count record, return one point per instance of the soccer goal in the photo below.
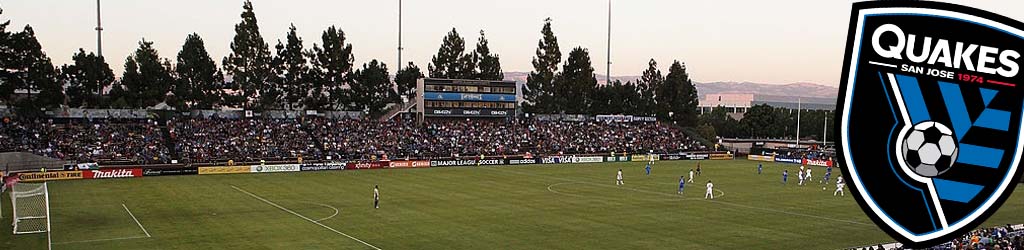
(30, 205)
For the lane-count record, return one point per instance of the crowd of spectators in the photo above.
(1009, 237)
(216, 140)
(100, 140)
(205, 140)
(354, 139)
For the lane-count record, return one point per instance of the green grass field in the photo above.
(523, 207)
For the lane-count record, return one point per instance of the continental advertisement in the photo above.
(761, 157)
(225, 170)
(51, 176)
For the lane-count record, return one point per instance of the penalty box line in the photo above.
(712, 201)
(303, 217)
(113, 239)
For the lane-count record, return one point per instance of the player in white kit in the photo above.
(808, 175)
(618, 178)
(800, 175)
(839, 187)
(691, 176)
(709, 193)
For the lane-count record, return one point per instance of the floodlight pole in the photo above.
(99, 31)
(798, 108)
(399, 36)
(608, 72)
(824, 132)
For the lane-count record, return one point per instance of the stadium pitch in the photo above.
(570, 206)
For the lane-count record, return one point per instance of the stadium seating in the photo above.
(217, 140)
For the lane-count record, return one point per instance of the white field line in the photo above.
(303, 217)
(551, 188)
(113, 239)
(336, 211)
(136, 220)
(98, 240)
(713, 201)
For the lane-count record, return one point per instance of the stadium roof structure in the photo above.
(20, 161)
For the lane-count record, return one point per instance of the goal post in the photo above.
(30, 208)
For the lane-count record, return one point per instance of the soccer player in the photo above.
(682, 182)
(648, 167)
(709, 193)
(759, 168)
(376, 197)
(800, 175)
(618, 178)
(785, 176)
(839, 186)
(691, 175)
(828, 175)
(698, 168)
(808, 175)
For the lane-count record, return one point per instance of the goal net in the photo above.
(30, 204)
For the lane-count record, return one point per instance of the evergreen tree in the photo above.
(199, 81)
(575, 85)
(6, 62)
(647, 86)
(86, 79)
(32, 70)
(372, 89)
(406, 79)
(331, 71)
(677, 97)
(249, 65)
(488, 65)
(451, 60)
(539, 84)
(294, 69)
(146, 78)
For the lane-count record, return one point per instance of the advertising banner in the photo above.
(225, 170)
(169, 171)
(696, 156)
(366, 165)
(452, 163)
(587, 159)
(720, 156)
(51, 176)
(761, 157)
(323, 166)
(820, 163)
(112, 173)
(468, 112)
(616, 158)
(788, 159)
(274, 168)
(409, 164)
(439, 96)
(641, 157)
(523, 161)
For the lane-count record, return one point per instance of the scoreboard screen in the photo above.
(466, 98)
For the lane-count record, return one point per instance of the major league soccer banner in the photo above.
(930, 111)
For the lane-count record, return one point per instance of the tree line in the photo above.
(257, 76)
(763, 121)
(573, 89)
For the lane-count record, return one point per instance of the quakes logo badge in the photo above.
(930, 109)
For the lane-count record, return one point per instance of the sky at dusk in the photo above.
(758, 41)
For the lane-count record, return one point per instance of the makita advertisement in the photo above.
(820, 163)
(112, 173)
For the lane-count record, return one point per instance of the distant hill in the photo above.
(814, 93)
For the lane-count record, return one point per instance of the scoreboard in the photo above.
(466, 98)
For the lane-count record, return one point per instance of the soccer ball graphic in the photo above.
(930, 149)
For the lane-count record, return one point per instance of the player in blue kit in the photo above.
(785, 176)
(759, 168)
(682, 182)
(648, 168)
